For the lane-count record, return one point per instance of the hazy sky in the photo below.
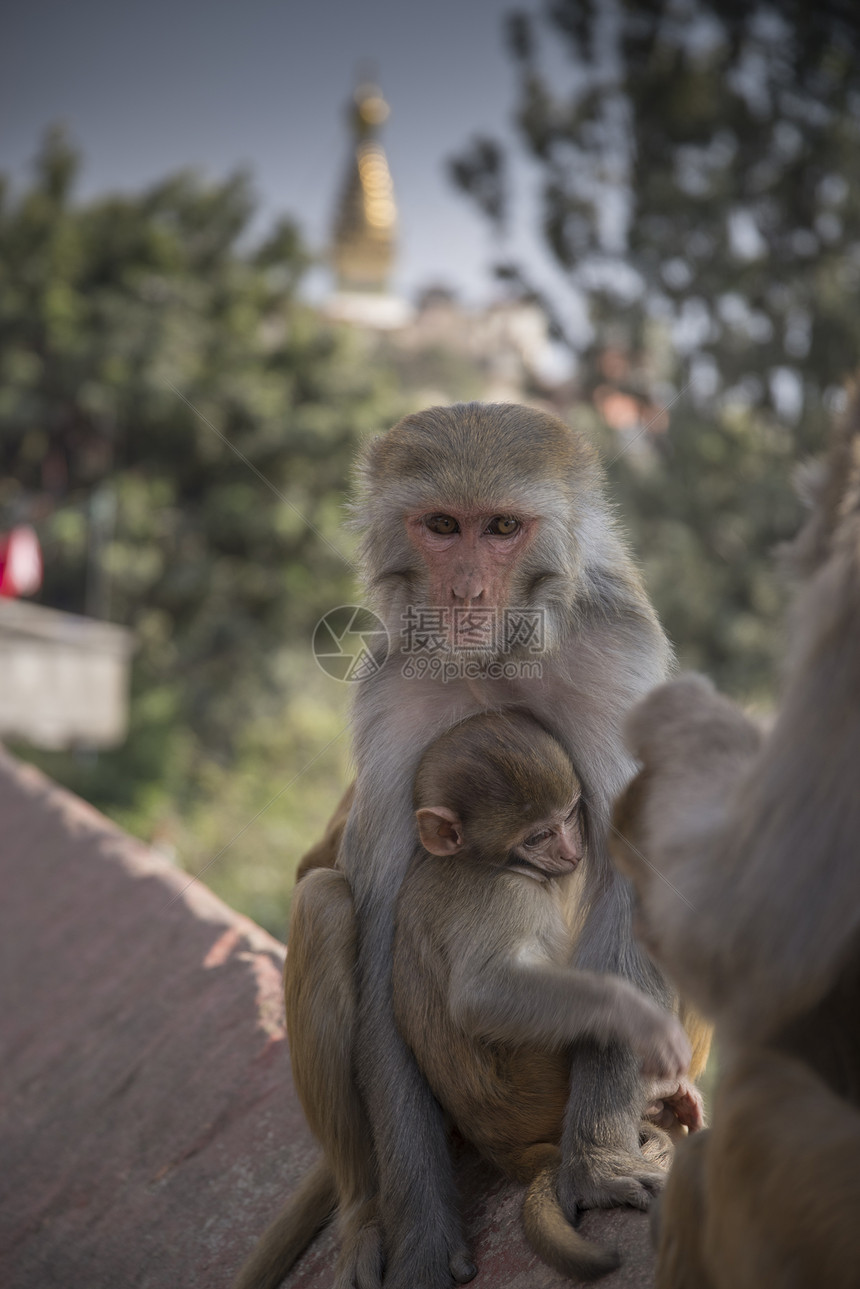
(148, 88)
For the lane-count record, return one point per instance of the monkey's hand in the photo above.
(674, 1103)
(656, 1036)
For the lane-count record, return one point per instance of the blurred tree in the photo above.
(179, 427)
(699, 166)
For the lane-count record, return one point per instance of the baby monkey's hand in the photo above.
(657, 1037)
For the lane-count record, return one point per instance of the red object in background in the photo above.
(20, 562)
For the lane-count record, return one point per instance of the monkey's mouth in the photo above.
(555, 867)
(559, 865)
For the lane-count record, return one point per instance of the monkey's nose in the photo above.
(567, 847)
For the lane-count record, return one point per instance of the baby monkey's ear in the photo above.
(440, 830)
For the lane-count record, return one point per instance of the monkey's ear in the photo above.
(440, 830)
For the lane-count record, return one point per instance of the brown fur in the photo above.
(757, 839)
(324, 853)
(493, 1034)
(770, 1195)
(696, 749)
(603, 649)
(775, 886)
(505, 776)
(311, 1206)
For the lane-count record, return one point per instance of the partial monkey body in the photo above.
(485, 992)
(756, 835)
(485, 995)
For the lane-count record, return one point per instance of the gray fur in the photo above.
(606, 649)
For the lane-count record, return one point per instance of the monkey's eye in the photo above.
(503, 526)
(443, 524)
(538, 837)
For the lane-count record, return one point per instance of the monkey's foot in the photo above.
(364, 1264)
(657, 1145)
(359, 1263)
(608, 1177)
(424, 1266)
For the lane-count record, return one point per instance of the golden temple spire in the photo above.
(366, 219)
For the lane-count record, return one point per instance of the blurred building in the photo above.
(365, 225)
(504, 347)
(64, 678)
(442, 350)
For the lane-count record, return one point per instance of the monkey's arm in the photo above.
(672, 828)
(514, 997)
(320, 1005)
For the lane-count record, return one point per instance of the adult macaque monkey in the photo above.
(492, 508)
(489, 512)
(484, 992)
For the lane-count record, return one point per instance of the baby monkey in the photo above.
(484, 991)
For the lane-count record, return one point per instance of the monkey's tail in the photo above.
(550, 1234)
(304, 1214)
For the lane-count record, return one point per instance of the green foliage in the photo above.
(707, 506)
(700, 193)
(253, 816)
(179, 427)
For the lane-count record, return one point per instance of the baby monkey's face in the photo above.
(553, 846)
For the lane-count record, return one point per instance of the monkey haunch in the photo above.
(484, 993)
(492, 507)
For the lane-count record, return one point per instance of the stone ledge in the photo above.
(149, 1128)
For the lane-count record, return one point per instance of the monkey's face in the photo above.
(471, 510)
(469, 561)
(552, 847)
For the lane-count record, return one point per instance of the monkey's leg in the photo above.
(419, 1213)
(321, 1008)
(424, 1245)
(602, 1163)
